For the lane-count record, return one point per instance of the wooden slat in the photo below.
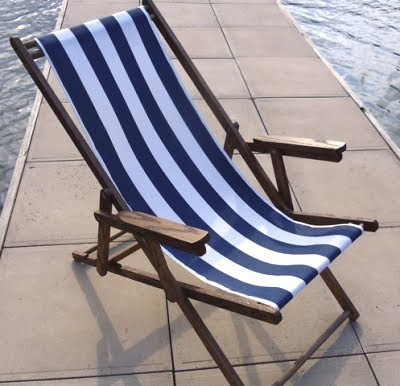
(281, 177)
(167, 232)
(115, 258)
(103, 234)
(228, 145)
(230, 302)
(369, 225)
(300, 147)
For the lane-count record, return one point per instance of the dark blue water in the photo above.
(19, 18)
(361, 39)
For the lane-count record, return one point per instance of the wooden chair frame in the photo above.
(150, 232)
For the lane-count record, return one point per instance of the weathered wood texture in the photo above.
(103, 234)
(228, 144)
(166, 232)
(300, 147)
(281, 177)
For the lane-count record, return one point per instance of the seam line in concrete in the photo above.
(84, 377)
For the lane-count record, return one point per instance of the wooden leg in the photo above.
(300, 361)
(281, 177)
(228, 145)
(339, 293)
(175, 293)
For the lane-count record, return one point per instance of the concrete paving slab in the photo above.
(386, 366)
(343, 371)
(250, 15)
(267, 42)
(247, 341)
(152, 379)
(374, 287)
(203, 42)
(188, 15)
(363, 184)
(63, 320)
(240, 110)
(323, 118)
(50, 141)
(79, 12)
(294, 77)
(55, 205)
(222, 76)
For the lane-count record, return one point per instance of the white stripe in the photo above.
(202, 162)
(174, 173)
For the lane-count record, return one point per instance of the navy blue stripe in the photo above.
(185, 162)
(104, 146)
(212, 150)
(157, 175)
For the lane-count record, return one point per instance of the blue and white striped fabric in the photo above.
(143, 127)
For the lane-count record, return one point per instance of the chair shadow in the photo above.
(110, 346)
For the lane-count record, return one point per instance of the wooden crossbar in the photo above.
(213, 297)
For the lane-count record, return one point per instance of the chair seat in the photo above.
(142, 125)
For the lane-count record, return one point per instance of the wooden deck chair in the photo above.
(175, 189)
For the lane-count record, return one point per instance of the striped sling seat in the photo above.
(144, 129)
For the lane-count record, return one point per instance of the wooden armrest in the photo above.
(300, 147)
(165, 232)
(369, 225)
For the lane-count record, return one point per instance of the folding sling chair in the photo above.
(175, 189)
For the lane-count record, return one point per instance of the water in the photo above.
(361, 39)
(18, 18)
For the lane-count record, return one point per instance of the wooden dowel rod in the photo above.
(112, 238)
(124, 253)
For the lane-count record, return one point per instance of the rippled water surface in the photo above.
(361, 39)
(18, 18)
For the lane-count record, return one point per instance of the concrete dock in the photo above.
(62, 324)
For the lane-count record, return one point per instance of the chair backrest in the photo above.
(139, 119)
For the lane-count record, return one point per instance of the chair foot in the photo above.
(79, 256)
